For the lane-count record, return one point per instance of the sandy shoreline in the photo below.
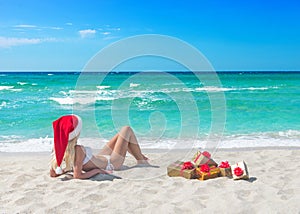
(274, 185)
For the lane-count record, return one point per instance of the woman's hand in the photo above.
(52, 173)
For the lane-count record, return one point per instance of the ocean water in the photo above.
(166, 110)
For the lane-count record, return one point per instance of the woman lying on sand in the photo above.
(80, 159)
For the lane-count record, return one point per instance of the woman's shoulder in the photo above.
(80, 152)
(79, 148)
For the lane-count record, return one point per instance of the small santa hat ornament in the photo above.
(65, 128)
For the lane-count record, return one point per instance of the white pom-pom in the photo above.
(58, 170)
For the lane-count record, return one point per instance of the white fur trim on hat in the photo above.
(58, 170)
(77, 129)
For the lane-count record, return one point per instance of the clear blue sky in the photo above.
(234, 35)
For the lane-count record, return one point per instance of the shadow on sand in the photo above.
(109, 177)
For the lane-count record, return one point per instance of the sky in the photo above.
(63, 35)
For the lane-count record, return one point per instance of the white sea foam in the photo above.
(17, 89)
(105, 98)
(63, 93)
(221, 89)
(133, 85)
(4, 87)
(106, 95)
(43, 144)
(10, 88)
(72, 101)
(22, 83)
(89, 97)
(214, 89)
(290, 138)
(103, 93)
(15, 144)
(62, 101)
(3, 105)
(101, 87)
(71, 97)
(83, 92)
(9, 105)
(255, 88)
(259, 88)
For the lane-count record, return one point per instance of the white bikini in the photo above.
(89, 155)
(109, 166)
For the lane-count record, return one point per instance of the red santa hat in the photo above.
(65, 128)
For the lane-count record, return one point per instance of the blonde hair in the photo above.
(69, 157)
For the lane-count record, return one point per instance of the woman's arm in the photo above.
(53, 174)
(88, 174)
(78, 165)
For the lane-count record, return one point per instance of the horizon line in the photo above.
(135, 71)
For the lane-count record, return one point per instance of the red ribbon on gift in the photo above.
(204, 168)
(238, 171)
(186, 165)
(205, 153)
(224, 164)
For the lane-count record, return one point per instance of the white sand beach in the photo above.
(273, 187)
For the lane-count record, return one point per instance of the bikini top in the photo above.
(88, 155)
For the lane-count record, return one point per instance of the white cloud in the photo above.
(111, 37)
(22, 27)
(25, 26)
(6, 42)
(55, 28)
(69, 23)
(114, 29)
(106, 33)
(87, 33)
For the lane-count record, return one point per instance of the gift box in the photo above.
(201, 158)
(182, 169)
(207, 172)
(240, 171)
(225, 169)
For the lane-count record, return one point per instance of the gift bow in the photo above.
(238, 171)
(187, 165)
(205, 153)
(204, 168)
(224, 164)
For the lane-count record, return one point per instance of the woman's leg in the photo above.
(123, 142)
(109, 147)
(134, 147)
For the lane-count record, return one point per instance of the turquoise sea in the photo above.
(167, 110)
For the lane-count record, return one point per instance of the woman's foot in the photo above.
(144, 161)
(145, 158)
